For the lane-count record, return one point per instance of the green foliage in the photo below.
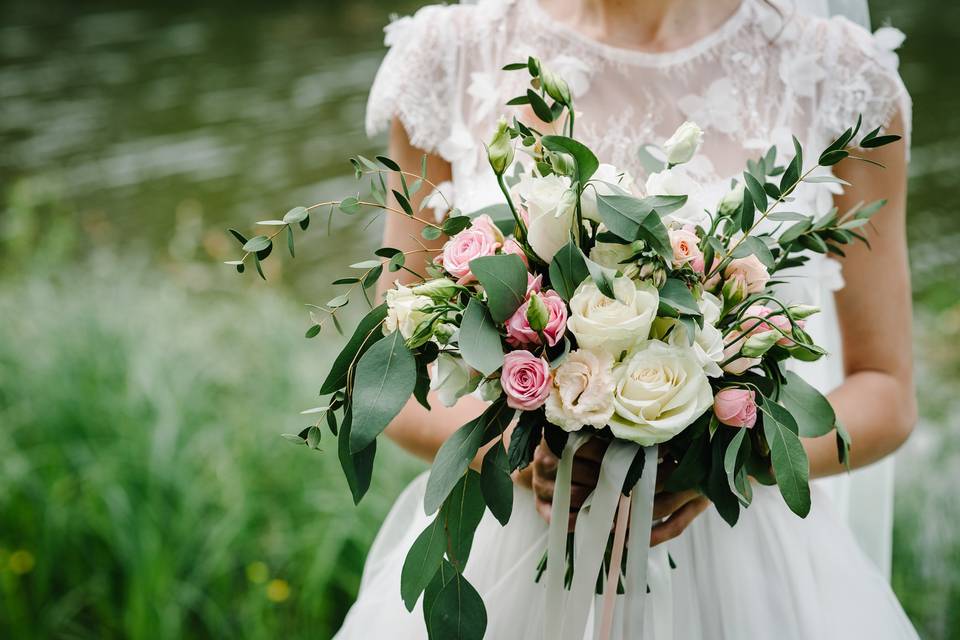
(504, 279)
(480, 343)
(385, 378)
(567, 270)
(789, 459)
(145, 474)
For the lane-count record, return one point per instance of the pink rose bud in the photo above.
(686, 248)
(512, 246)
(736, 407)
(485, 223)
(519, 331)
(462, 248)
(525, 379)
(750, 270)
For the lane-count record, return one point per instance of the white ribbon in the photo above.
(567, 611)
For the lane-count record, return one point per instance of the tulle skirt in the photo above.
(772, 576)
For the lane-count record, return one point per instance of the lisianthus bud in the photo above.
(445, 332)
(683, 144)
(734, 291)
(801, 311)
(437, 289)
(732, 201)
(759, 343)
(555, 86)
(653, 273)
(537, 313)
(563, 163)
(500, 149)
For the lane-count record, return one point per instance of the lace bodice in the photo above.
(751, 83)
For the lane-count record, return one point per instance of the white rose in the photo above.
(660, 390)
(614, 326)
(684, 143)
(405, 310)
(676, 182)
(611, 254)
(582, 391)
(607, 180)
(710, 306)
(551, 205)
(452, 379)
(707, 346)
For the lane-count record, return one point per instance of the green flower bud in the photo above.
(500, 149)
(734, 291)
(437, 289)
(801, 311)
(732, 201)
(555, 86)
(759, 343)
(537, 313)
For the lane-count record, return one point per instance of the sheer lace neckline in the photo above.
(720, 33)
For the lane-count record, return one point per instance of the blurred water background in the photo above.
(144, 489)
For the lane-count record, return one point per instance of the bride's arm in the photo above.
(417, 430)
(876, 402)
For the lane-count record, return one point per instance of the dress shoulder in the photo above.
(861, 76)
(419, 77)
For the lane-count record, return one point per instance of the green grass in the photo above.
(142, 470)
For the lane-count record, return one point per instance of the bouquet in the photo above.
(580, 309)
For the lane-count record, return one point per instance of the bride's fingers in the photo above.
(666, 503)
(664, 469)
(592, 450)
(678, 522)
(544, 462)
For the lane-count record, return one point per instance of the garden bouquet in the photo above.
(581, 308)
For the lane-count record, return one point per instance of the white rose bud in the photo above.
(551, 204)
(500, 149)
(683, 144)
(732, 201)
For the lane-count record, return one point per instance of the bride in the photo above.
(750, 73)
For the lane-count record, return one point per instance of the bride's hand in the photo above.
(586, 470)
(677, 510)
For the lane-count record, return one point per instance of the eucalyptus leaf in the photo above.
(504, 279)
(458, 612)
(586, 161)
(385, 379)
(496, 483)
(454, 456)
(422, 562)
(790, 464)
(357, 467)
(810, 409)
(567, 270)
(462, 512)
(479, 340)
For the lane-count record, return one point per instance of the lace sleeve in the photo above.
(862, 78)
(417, 79)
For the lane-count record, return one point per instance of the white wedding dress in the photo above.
(749, 84)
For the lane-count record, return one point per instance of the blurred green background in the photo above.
(144, 489)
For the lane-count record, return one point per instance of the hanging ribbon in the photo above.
(568, 610)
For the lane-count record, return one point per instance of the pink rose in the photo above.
(462, 248)
(736, 407)
(485, 224)
(686, 248)
(534, 283)
(520, 334)
(512, 246)
(774, 319)
(525, 379)
(713, 282)
(750, 271)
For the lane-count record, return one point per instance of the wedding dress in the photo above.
(751, 83)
